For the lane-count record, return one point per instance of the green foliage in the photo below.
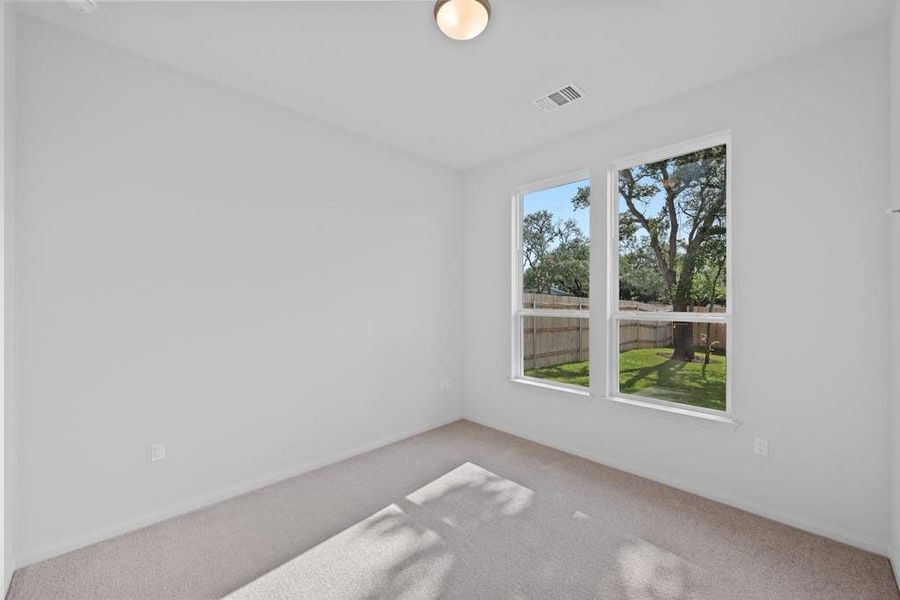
(684, 240)
(570, 264)
(556, 253)
(539, 236)
(639, 278)
(582, 198)
(708, 283)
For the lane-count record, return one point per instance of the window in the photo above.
(551, 283)
(671, 278)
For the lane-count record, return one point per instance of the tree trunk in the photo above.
(708, 347)
(683, 340)
(683, 336)
(712, 303)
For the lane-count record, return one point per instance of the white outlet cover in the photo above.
(761, 446)
(157, 451)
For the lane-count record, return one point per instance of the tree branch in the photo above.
(627, 194)
(671, 194)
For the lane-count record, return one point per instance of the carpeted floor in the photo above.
(465, 512)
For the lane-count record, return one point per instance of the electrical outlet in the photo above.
(157, 451)
(445, 385)
(761, 447)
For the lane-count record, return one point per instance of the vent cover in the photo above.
(85, 7)
(561, 97)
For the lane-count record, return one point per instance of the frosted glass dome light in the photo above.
(462, 19)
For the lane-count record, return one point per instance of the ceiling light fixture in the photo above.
(462, 19)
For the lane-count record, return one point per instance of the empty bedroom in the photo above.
(453, 299)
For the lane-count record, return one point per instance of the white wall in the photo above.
(258, 290)
(895, 277)
(810, 296)
(7, 154)
(165, 288)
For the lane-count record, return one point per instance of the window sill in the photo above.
(698, 417)
(574, 392)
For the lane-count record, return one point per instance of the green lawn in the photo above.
(652, 373)
(575, 373)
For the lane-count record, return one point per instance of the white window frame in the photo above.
(518, 311)
(615, 315)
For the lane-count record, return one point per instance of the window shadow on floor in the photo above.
(474, 534)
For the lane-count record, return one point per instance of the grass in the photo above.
(652, 373)
(574, 373)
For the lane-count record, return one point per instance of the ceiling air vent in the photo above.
(556, 100)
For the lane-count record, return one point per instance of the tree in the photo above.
(539, 234)
(582, 197)
(691, 191)
(639, 278)
(709, 275)
(570, 263)
(556, 253)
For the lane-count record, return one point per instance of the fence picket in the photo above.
(550, 341)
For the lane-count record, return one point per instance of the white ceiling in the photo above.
(381, 69)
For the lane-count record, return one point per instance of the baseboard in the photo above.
(895, 564)
(200, 502)
(10, 569)
(817, 528)
(206, 500)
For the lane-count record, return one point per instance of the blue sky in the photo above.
(558, 200)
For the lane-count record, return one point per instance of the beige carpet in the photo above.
(464, 512)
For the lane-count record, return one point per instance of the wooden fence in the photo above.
(634, 335)
(553, 341)
(550, 341)
(558, 302)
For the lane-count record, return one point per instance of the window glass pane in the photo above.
(556, 349)
(675, 361)
(551, 301)
(672, 233)
(556, 239)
